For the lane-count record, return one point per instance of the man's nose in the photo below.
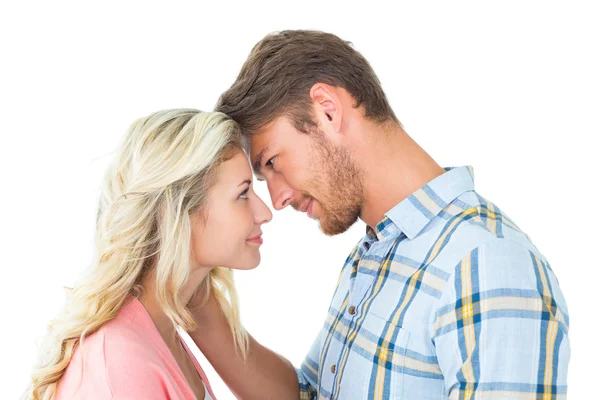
(281, 193)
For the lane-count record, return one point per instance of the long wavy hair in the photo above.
(162, 172)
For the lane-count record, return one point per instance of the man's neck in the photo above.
(394, 167)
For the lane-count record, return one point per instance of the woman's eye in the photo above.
(244, 194)
(271, 162)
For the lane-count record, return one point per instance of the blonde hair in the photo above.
(162, 173)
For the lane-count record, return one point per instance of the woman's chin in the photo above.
(255, 263)
(247, 264)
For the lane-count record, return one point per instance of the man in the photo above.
(444, 297)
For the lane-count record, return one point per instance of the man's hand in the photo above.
(205, 310)
(262, 375)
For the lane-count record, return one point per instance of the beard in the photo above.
(337, 185)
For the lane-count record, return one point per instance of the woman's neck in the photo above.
(150, 302)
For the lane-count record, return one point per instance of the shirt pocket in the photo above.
(385, 343)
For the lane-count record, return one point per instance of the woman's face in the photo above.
(227, 231)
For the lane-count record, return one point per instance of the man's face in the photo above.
(309, 173)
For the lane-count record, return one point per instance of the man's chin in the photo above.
(332, 228)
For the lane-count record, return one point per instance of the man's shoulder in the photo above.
(469, 223)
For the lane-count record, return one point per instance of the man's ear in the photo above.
(327, 105)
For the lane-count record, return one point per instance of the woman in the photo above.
(177, 211)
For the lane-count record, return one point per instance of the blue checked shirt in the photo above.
(445, 299)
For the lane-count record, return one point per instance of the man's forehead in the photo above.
(261, 140)
(258, 146)
(257, 150)
(265, 139)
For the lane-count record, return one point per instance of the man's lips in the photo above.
(306, 205)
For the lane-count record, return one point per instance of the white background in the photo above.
(511, 88)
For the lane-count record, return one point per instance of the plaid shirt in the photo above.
(445, 299)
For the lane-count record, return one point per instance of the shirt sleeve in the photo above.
(500, 327)
(308, 374)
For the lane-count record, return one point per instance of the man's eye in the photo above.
(271, 162)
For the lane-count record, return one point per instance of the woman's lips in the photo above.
(256, 239)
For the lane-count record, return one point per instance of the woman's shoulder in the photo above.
(86, 373)
(118, 358)
(127, 342)
(131, 363)
(111, 343)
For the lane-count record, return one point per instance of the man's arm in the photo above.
(501, 328)
(263, 375)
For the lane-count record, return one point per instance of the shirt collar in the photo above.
(414, 213)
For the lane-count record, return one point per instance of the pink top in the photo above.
(127, 359)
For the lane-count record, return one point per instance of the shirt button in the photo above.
(352, 310)
(333, 368)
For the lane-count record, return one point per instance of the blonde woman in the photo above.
(177, 213)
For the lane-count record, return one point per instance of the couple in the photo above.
(444, 296)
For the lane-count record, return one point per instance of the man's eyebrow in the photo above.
(257, 166)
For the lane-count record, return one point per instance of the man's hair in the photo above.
(277, 77)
